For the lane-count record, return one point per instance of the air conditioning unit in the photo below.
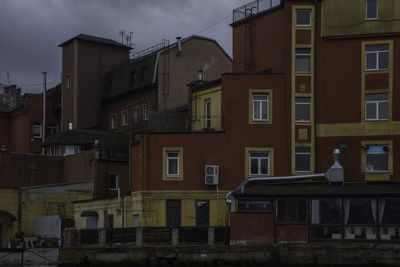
(211, 174)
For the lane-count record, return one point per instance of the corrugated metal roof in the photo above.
(304, 189)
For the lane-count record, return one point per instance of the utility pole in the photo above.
(44, 113)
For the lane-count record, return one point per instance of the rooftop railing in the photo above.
(253, 8)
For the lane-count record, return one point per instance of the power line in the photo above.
(215, 24)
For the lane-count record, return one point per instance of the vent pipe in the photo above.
(44, 113)
(179, 43)
(201, 75)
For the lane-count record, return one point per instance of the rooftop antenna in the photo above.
(122, 33)
(8, 78)
(130, 38)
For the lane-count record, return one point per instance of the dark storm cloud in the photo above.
(31, 30)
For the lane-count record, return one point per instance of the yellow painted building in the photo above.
(206, 108)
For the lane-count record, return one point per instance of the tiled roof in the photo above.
(96, 39)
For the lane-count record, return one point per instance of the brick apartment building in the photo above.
(308, 77)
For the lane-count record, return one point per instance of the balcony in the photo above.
(208, 123)
(254, 8)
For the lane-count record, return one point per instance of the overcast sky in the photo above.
(31, 30)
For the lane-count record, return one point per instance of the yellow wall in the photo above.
(9, 204)
(151, 208)
(198, 108)
(347, 17)
(36, 205)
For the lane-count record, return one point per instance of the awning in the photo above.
(89, 213)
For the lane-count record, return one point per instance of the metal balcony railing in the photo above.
(253, 8)
(202, 122)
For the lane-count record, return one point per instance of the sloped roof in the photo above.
(121, 80)
(96, 39)
(78, 137)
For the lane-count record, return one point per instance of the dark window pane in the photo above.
(383, 110)
(371, 61)
(389, 211)
(303, 17)
(254, 166)
(383, 60)
(372, 9)
(281, 210)
(360, 211)
(330, 211)
(291, 210)
(302, 210)
(255, 205)
(264, 166)
(370, 110)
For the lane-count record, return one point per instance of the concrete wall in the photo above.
(51, 200)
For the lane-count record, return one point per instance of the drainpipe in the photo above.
(44, 113)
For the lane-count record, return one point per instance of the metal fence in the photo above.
(253, 8)
(29, 257)
(149, 236)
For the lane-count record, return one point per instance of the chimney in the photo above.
(201, 75)
(179, 43)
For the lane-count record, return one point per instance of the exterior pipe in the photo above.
(44, 113)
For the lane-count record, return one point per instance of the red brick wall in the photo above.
(252, 228)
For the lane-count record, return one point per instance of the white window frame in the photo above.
(377, 54)
(68, 81)
(377, 104)
(259, 158)
(261, 103)
(113, 121)
(367, 170)
(366, 10)
(304, 55)
(168, 158)
(207, 109)
(116, 182)
(304, 25)
(146, 109)
(37, 125)
(136, 114)
(299, 102)
(124, 118)
(302, 153)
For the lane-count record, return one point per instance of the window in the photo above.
(51, 129)
(142, 74)
(136, 114)
(113, 121)
(376, 107)
(207, 108)
(91, 222)
(124, 116)
(259, 163)
(371, 9)
(303, 60)
(112, 182)
(37, 129)
(326, 219)
(291, 211)
(303, 17)
(146, 109)
(260, 106)
(377, 57)
(302, 109)
(173, 164)
(376, 158)
(260, 205)
(303, 159)
(133, 78)
(68, 81)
